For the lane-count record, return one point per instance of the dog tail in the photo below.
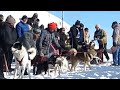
(32, 53)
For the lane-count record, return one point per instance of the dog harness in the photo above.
(20, 62)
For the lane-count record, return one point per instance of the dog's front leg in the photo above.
(15, 72)
(29, 65)
(89, 65)
(20, 72)
(85, 66)
(75, 65)
(48, 71)
(29, 73)
(59, 68)
(23, 71)
(55, 69)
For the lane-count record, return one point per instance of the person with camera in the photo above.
(101, 36)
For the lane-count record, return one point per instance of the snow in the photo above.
(102, 71)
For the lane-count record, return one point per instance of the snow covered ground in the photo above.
(102, 71)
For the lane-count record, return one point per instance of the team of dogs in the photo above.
(23, 59)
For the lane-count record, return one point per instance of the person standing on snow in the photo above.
(116, 43)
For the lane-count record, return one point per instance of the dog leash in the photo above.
(56, 51)
(20, 62)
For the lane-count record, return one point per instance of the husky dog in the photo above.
(78, 56)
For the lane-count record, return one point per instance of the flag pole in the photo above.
(62, 17)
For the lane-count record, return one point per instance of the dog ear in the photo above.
(18, 45)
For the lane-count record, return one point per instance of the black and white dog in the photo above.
(22, 59)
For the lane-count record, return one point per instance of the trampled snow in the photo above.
(102, 71)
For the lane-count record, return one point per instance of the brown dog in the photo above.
(85, 57)
(76, 57)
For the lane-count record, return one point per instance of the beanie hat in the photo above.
(81, 25)
(1, 17)
(77, 22)
(52, 26)
(86, 29)
(10, 20)
(35, 15)
(97, 25)
(24, 17)
(115, 22)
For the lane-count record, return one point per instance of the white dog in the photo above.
(22, 59)
(61, 64)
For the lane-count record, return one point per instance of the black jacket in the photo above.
(8, 35)
(33, 23)
(62, 40)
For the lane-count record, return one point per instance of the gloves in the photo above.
(114, 44)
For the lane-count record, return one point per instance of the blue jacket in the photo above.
(21, 27)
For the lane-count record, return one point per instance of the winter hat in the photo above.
(35, 15)
(24, 17)
(97, 25)
(114, 24)
(10, 20)
(52, 26)
(77, 22)
(86, 29)
(62, 29)
(41, 27)
(81, 25)
(1, 17)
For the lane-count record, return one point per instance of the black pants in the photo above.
(1, 65)
(104, 46)
(9, 56)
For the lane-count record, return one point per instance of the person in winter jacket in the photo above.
(74, 31)
(76, 34)
(62, 38)
(47, 38)
(34, 21)
(101, 36)
(22, 26)
(116, 42)
(1, 50)
(1, 25)
(86, 36)
(42, 27)
(9, 37)
(1, 20)
(29, 40)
